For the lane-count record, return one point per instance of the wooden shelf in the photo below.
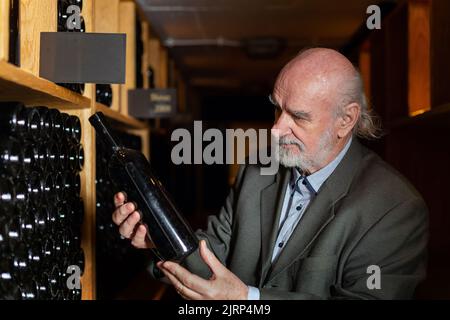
(19, 85)
(24, 84)
(127, 121)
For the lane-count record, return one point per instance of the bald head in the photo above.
(320, 73)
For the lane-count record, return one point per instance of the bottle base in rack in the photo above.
(40, 209)
(103, 94)
(75, 87)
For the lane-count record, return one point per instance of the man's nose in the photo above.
(281, 126)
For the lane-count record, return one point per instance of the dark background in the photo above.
(227, 88)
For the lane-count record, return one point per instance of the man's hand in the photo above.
(223, 284)
(128, 220)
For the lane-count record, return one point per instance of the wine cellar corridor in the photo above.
(96, 96)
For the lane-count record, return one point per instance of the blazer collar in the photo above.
(318, 214)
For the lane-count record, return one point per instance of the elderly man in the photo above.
(336, 222)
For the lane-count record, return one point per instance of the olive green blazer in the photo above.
(364, 214)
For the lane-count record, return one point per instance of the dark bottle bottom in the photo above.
(75, 87)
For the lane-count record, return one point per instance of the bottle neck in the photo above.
(104, 133)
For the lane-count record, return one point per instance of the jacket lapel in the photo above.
(270, 214)
(318, 215)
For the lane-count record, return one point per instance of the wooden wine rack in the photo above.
(24, 84)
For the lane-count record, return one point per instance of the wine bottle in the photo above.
(7, 195)
(30, 156)
(72, 128)
(29, 290)
(41, 220)
(20, 264)
(57, 123)
(131, 172)
(76, 157)
(43, 287)
(19, 121)
(103, 94)
(10, 155)
(34, 255)
(63, 15)
(46, 124)
(8, 287)
(54, 281)
(20, 194)
(35, 188)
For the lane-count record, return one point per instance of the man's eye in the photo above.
(300, 117)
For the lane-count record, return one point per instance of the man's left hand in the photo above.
(223, 284)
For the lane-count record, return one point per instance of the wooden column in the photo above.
(4, 29)
(419, 80)
(163, 68)
(35, 17)
(88, 195)
(106, 20)
(127, 25)
(88, 16)
(144, 134)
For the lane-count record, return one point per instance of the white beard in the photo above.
(302, 160)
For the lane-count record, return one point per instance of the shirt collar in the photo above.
(316, 179)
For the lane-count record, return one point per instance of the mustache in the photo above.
(287, 140)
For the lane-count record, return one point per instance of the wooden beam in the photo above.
(4, 30)
(17, 84)
(419, 82)
(126, 120)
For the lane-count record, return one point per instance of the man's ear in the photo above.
(348, 118)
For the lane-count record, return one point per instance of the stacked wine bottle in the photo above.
(103, 94)
(41, 210)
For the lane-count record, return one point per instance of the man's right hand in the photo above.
(128, 220)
